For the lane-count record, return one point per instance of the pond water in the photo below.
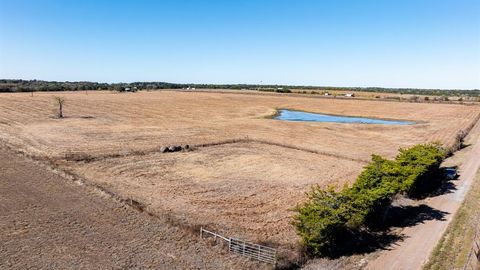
(289, 115)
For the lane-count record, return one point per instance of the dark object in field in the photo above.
(451, 173)
(186, 147)
(173, 148)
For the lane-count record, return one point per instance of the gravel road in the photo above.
(420, 240)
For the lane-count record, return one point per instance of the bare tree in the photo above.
(60, 101)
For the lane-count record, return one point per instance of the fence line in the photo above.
(253, 251)
(473, 259)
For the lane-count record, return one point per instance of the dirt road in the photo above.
(48, 222)
(421, 239)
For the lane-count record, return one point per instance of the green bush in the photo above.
(374, 189)
(421, 167)
(322, 218)
(328, 216)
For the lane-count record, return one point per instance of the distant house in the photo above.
(129, 89)
(350, 95)
(326, 94)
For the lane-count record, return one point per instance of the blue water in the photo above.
(288, 115)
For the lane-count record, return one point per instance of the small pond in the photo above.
(289, 115)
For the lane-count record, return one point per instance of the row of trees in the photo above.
(37, 85)
(329, 216)
(7, 85)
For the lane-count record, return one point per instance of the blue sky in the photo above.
(387, 43)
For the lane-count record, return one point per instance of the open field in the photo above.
(390, 96)
(48, 222)
(104, 122)
(246, 172)
(226, 188)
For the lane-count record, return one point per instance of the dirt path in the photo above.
(421, 239)
(48, 222)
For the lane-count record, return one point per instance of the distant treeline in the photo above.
(7, 85)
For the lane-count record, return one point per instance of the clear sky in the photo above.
(387, 43)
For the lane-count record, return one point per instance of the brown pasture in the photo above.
(246, 173)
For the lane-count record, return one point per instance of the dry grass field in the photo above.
(245, 188)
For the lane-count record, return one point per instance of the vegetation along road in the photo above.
(420, 240)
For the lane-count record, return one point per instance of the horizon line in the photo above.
(250, 84)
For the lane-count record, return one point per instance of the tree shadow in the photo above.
(408, 216)
(447, 186)
(382, 236)
(363, 242)
(444, 186)
(464, 145)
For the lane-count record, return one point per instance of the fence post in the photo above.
(258, 252)
(201, 232)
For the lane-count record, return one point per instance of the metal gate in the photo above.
(253, 251)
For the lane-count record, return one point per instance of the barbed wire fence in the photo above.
(473, 258)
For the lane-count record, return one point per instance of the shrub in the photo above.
(277, 90)
(373, 191)
(321, 221)
(414, 98)
(421, 166)
(328, 216)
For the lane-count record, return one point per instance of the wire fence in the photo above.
(473, 259)
(243, 248)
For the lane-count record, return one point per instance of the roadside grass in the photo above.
(452, 250)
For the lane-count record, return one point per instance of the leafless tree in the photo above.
(60, 101)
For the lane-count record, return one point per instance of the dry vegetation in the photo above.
(452, 250)
(242, 189)
(405, 97)
(228, 188)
